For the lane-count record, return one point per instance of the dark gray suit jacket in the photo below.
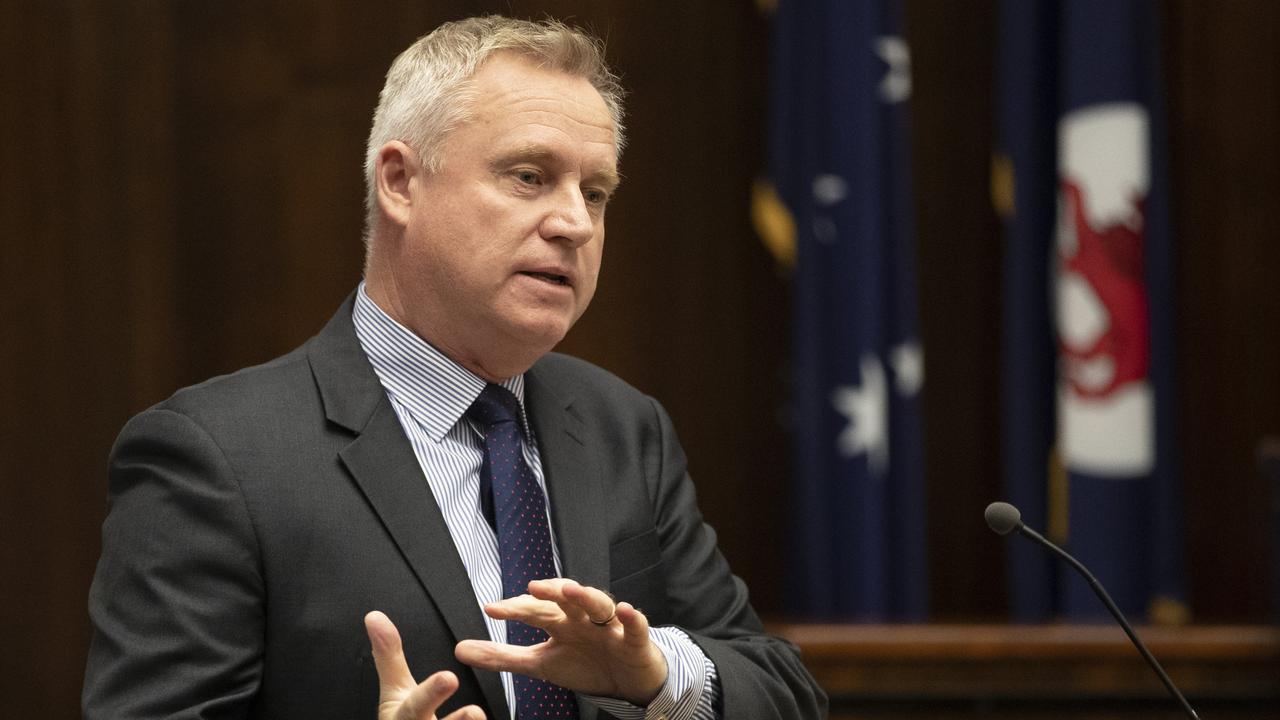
(255, 518)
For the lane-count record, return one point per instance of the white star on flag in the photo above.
(908, 368)
(896, 85)
(867, 409)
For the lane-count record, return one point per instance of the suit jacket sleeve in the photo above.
(760, 676)
(176, 601)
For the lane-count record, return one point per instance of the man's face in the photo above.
(502, 249)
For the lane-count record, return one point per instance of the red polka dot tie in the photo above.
(524, 538)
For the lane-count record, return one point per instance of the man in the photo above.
(427, 458)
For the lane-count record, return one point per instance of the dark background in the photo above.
(180, 196)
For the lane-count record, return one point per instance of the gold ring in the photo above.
(606, 621)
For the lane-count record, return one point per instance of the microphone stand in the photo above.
(1115, 612)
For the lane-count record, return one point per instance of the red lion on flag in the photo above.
(1110, 259)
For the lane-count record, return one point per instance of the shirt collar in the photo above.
(434, 389)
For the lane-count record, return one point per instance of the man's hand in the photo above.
(399, 697)
(613, 659)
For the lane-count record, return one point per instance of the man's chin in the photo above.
(540, 336)
(522, 340)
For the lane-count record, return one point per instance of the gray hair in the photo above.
(427, 93)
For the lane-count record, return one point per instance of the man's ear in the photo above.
(397, 165)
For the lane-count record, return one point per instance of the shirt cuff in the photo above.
(691, 690)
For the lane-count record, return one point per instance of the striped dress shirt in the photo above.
(430, 395)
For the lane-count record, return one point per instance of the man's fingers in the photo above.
(635, 626)
(399, 697)
(487, 655)
(553, 590)
(388, 654)
(526, 609)
(422, 701)
(578, 601)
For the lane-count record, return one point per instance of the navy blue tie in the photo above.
(524, 538)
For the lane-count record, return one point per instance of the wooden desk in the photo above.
(1048, 671)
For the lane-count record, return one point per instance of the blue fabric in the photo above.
(839, 160)
(1088, 346)
(1028, 115)
(524, 538)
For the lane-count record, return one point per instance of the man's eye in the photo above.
(595, 197)
(528, 177)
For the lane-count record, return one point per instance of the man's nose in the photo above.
(569, 220)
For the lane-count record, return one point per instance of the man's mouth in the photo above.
(548, 277)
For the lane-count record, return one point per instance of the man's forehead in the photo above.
(508, 78)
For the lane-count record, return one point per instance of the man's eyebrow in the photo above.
(609, 178)
(535, 153)
(524, 153)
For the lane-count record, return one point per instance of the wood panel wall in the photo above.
(1223, 79)
(180, 196)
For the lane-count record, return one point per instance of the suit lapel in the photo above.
(572, 473)
(382, 463)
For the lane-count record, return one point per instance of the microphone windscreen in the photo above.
(1002, 517)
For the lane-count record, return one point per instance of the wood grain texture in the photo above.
(1058, 671)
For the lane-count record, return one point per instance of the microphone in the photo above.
(1004, 518)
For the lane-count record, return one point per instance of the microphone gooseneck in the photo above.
(1004, 518)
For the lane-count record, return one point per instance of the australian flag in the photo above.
(839, 162)
(1089, 437)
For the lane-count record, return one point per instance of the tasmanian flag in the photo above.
(839, 163)
(1088, 342)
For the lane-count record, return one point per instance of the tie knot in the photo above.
(495, 405)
